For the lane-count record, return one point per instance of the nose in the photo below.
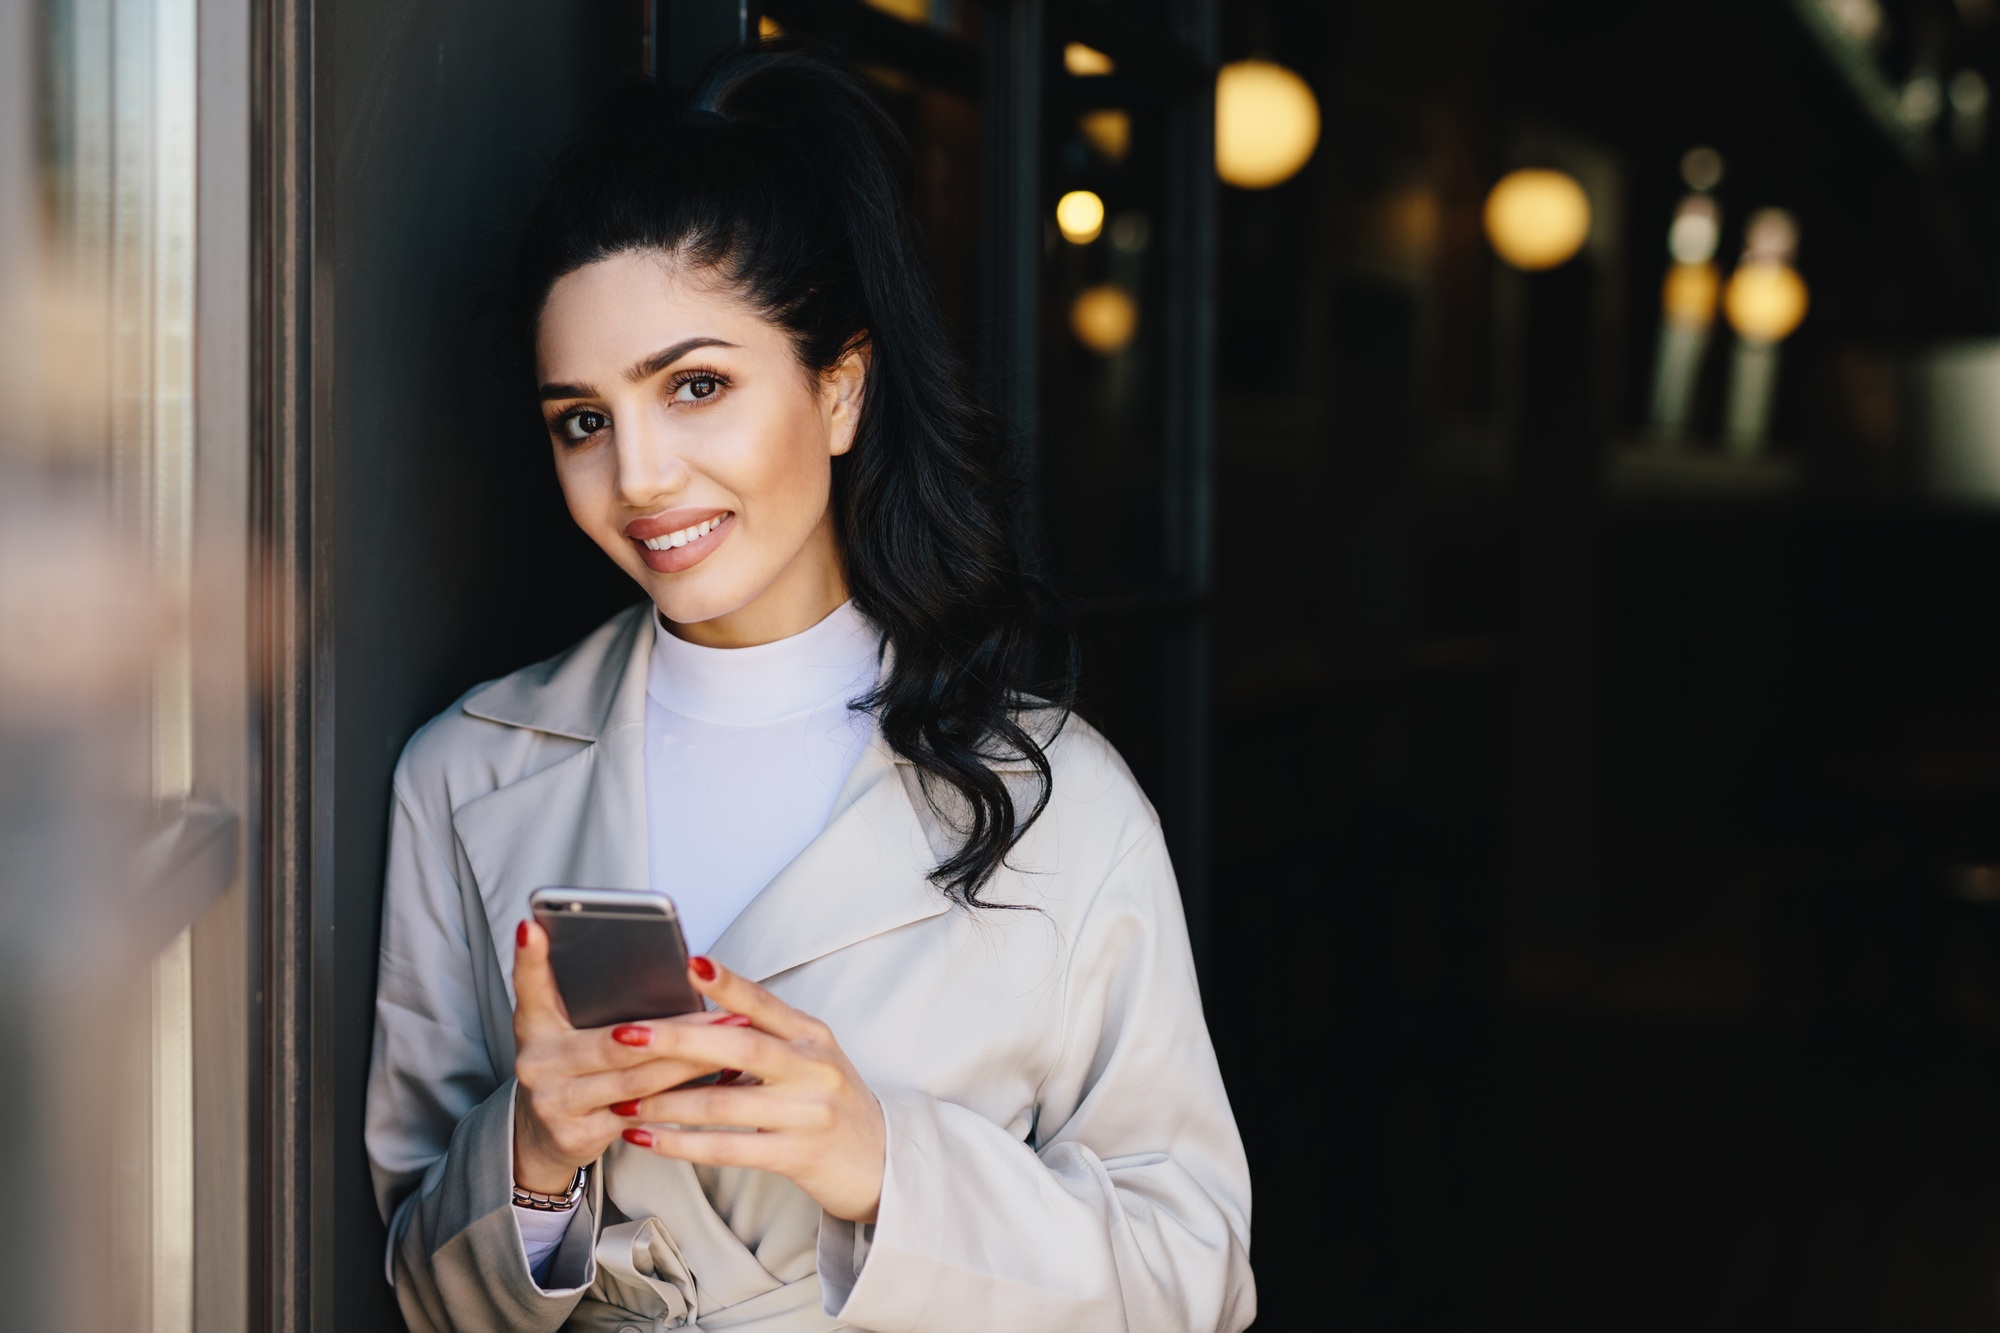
(650, 470)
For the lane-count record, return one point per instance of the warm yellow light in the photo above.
(1086, 61)
(910, 11)
(1266, 124)
(1690, 295)
(1080, 214)
(767, 27)
(1108, 131)
(1537, 219)
(1765, 301)
(1104, 318)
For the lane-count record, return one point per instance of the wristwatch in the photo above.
(554, 1203)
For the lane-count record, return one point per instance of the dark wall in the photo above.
(451, 558)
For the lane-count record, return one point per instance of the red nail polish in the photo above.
(728, 1076)
(638, 1138)
(625, 1108)
(632, 1034)
(702, 967)
(729, 1021)
(521, 935)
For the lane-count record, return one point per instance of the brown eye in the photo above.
(696, 388)
(578, 426)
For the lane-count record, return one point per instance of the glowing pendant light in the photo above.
(1266, 124)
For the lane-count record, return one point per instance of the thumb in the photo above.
(536, 999)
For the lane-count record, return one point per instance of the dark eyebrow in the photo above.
(639, 370)
(666, 356)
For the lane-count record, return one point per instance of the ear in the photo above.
(842, 390)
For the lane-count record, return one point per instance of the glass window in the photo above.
(1106, 163)
(121, 1048)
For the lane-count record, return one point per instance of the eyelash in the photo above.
(686, 377)
(680, 381)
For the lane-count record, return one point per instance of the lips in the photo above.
(680, 538)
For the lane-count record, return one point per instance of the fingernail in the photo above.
(639, 1138)
(632, 1034)
(702, 967)
(625, 1108)
(728, 1076)
(521, 935)
(729, 1021)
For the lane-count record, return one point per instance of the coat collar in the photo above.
(601, 683)
(581, 822)
(583, 692)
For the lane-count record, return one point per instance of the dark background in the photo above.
(1592, 940)
(1593, 930)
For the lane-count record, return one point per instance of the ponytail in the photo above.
(780, 176)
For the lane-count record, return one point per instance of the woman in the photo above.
(951, 982)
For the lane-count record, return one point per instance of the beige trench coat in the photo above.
(1061, 1154)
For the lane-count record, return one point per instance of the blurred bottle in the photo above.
(1765, 301)
(1689, 295)
(1970, 100)
(1687, 313)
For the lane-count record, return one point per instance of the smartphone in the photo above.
(618, 954)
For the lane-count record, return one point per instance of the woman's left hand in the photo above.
(817, 1123)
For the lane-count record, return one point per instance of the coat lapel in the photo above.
(581, 822)
(864, 875)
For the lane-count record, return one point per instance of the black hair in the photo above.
(780, 174)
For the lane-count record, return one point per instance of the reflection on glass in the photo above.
(1105, 302)
(119, 171)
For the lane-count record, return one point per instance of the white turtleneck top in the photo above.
(746, 749)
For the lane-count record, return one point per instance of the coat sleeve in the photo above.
(1129, 1208)
(440, 1118)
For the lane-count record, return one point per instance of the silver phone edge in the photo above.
(616, 900)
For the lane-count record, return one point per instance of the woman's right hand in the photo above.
(571, 1082)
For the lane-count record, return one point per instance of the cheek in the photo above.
(586, 484)
(788, 475)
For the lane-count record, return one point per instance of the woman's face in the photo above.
(694, 449)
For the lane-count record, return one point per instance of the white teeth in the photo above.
(684, 536)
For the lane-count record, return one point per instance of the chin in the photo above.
(687, 599)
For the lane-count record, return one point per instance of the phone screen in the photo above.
(618, 955)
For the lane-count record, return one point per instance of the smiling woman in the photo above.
(711, 452)
(823, 734)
